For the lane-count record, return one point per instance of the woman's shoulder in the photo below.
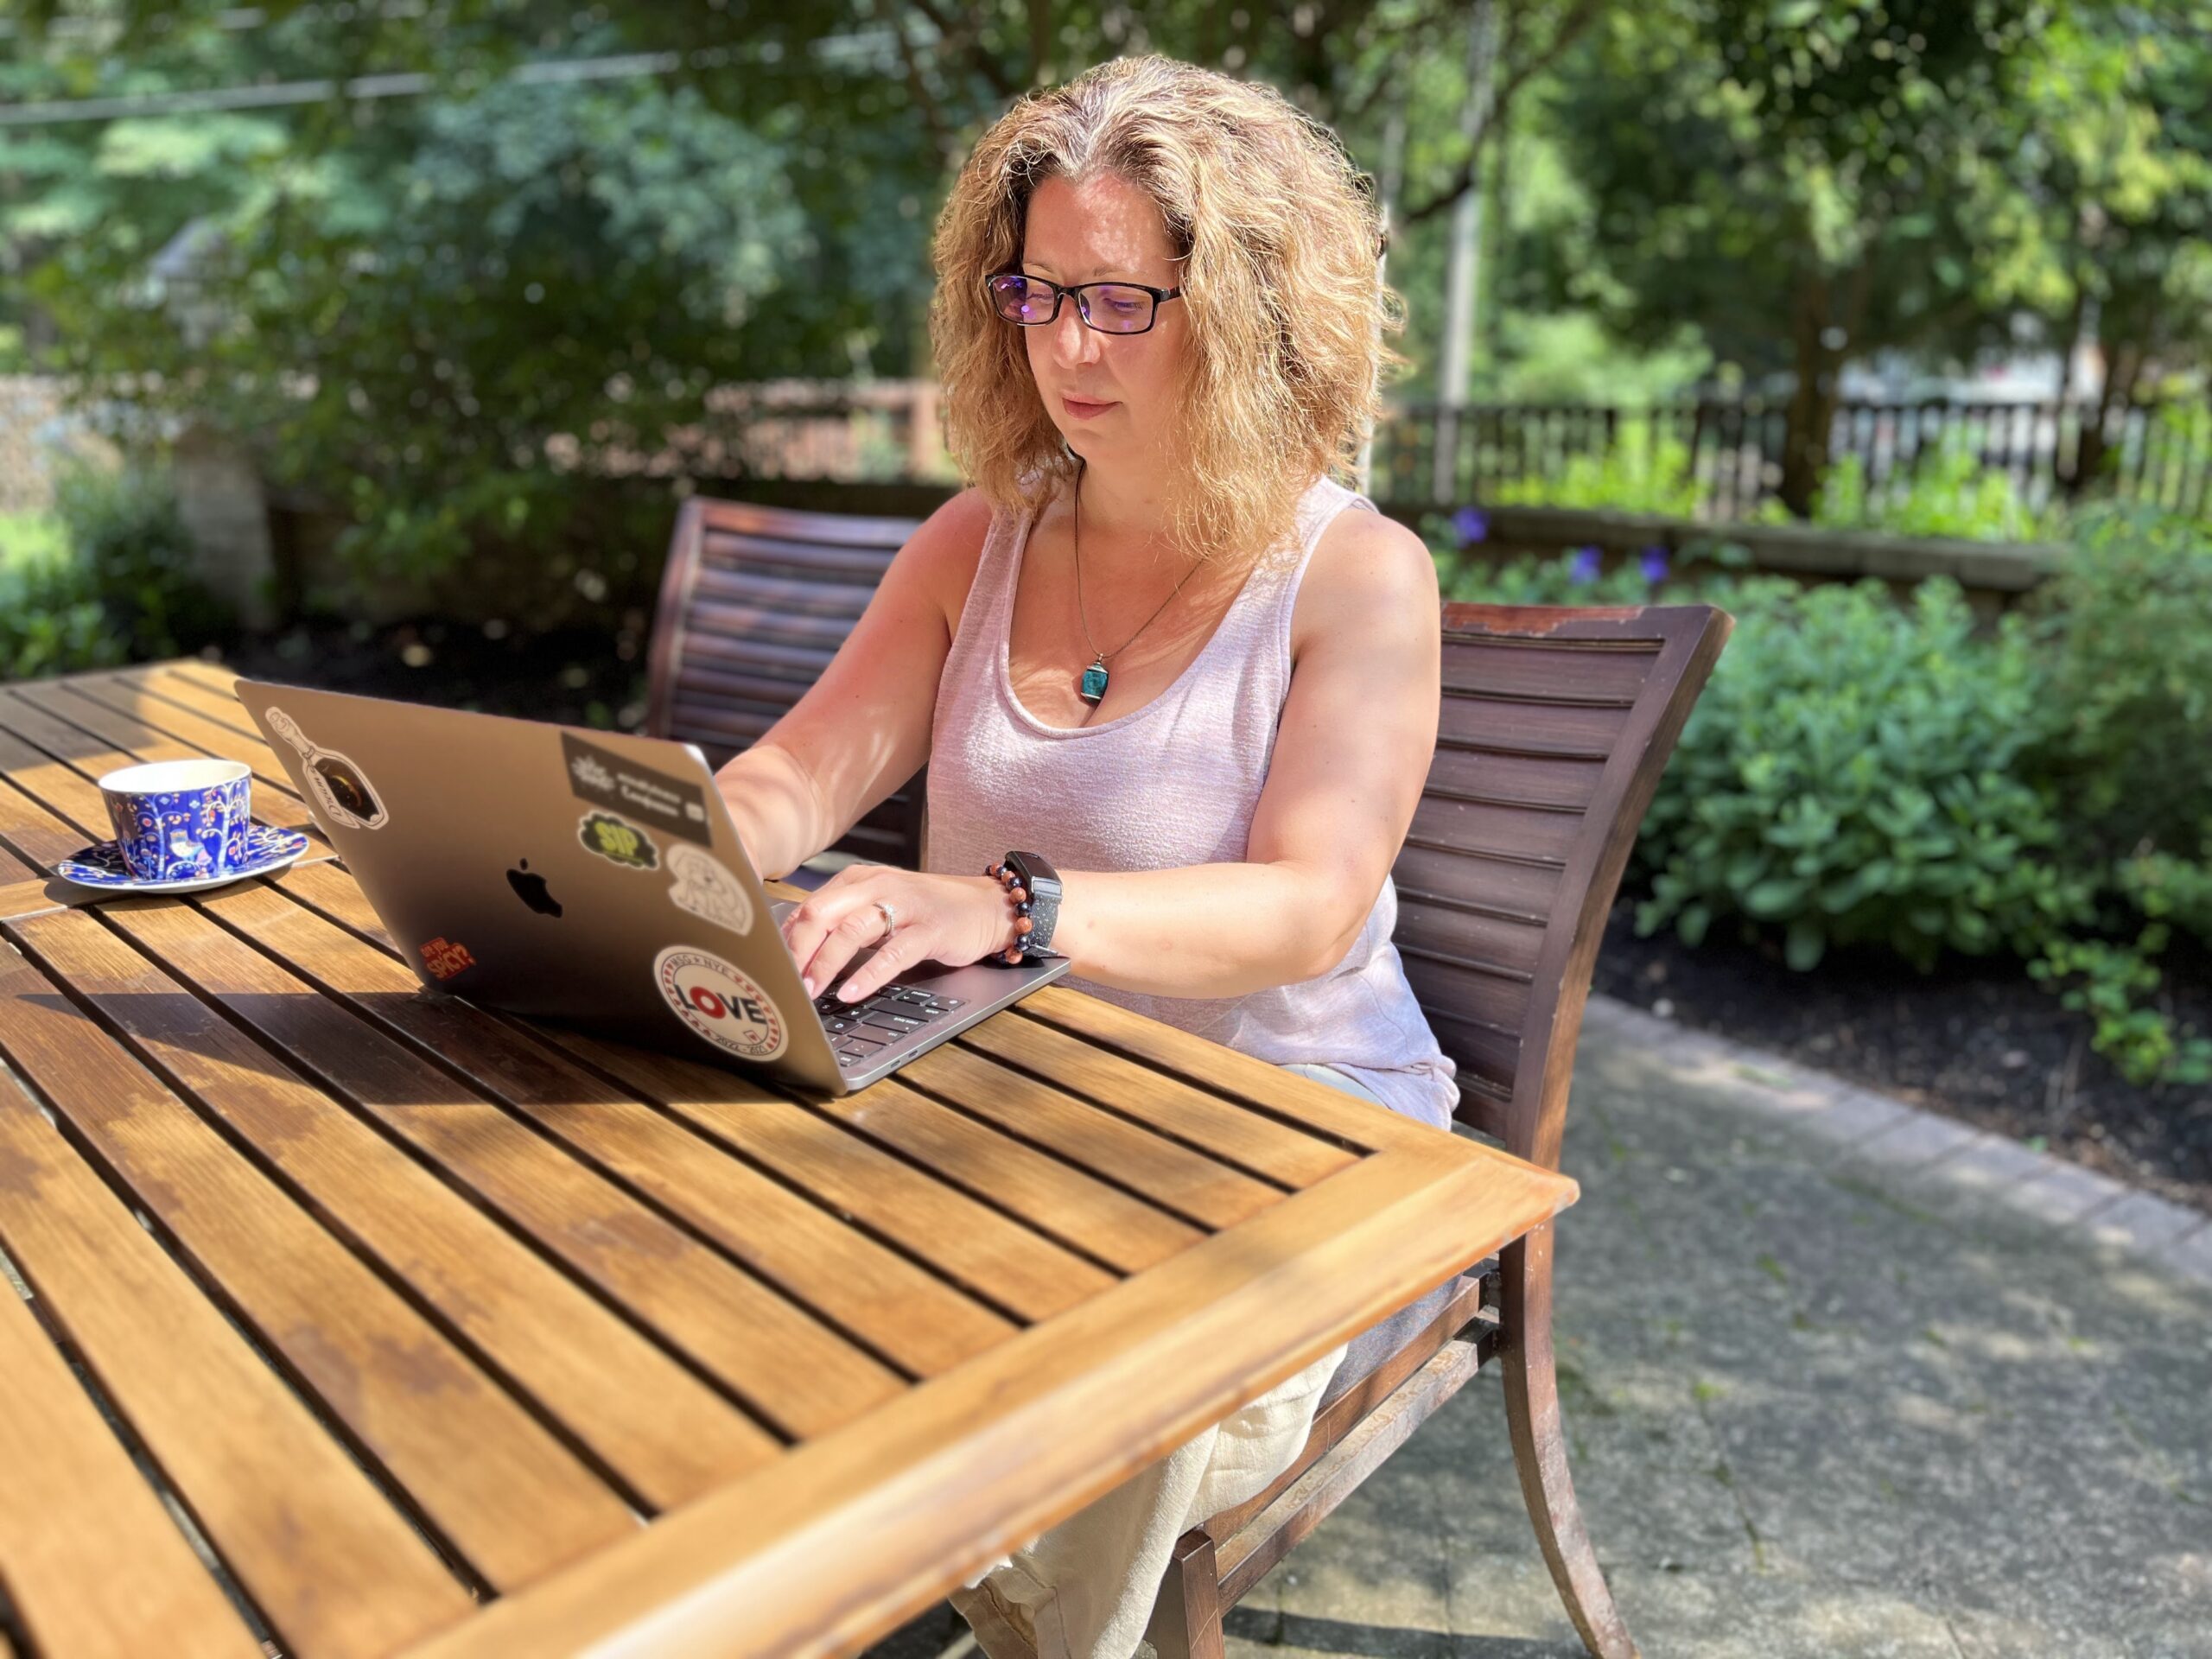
(945, 551)
(1366, 567)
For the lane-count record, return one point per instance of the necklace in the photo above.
(1092, 686)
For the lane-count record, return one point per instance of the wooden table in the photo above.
(370, 1322)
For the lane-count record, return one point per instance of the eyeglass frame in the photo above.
(1159, 297)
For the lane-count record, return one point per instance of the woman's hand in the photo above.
(954, 919)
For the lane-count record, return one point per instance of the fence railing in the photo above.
(1715, 459)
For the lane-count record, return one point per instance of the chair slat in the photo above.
(754, 603)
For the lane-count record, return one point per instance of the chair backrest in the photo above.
(753, 604)
(1557, 723)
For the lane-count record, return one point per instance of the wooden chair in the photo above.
(1557, 723)
(753, 604)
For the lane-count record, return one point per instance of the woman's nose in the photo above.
(1074, 340)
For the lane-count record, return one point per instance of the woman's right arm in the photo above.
(863, 729)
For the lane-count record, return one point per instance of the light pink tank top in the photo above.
(1174, 782)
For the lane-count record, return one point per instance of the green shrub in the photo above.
(126, 535)
(1948, 493)
(51, 620)
(1860, 771)
(1853, 775)
(1641, 472)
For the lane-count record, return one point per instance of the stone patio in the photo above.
(1840, 1379)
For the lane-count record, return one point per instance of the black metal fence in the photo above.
(1721, 459)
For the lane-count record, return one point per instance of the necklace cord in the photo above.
(1098, 655)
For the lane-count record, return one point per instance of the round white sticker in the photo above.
(720, 1003)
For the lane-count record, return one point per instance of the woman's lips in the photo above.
(1083, 407)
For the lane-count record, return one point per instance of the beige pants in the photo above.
(1086, 1588)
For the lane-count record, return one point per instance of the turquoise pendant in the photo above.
(1094, 684)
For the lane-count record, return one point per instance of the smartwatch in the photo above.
(1042, 883)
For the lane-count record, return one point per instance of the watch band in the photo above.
(1042, 883)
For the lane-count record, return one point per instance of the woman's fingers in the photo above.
(853, 932)
(899, 953)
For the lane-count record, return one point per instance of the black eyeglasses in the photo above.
(1111, 307)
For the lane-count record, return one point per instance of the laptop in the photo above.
(594, 878)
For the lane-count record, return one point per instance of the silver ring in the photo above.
(890, 915)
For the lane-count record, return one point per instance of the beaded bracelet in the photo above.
(1012, 955)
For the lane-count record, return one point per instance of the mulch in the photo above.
(1976, 1040)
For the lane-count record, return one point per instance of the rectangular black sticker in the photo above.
(648, 797)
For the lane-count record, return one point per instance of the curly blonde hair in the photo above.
(1277, 235)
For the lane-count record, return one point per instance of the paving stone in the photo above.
(2066, 1192)
(2191, 1254)
(1993, 1163)
(2143, 1223)
(1917, 1138)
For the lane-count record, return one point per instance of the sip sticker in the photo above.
(720, 1003)
(444, 958)
(646, 797)
(618, 843)
(705, 888)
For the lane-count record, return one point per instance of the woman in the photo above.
(1151, 644)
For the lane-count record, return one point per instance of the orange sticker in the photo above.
(444, 958)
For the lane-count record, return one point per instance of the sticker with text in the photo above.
(444, 958)
(705, 887)
(618, 843)
(720, 1003)
(650, 797)
(335, 782)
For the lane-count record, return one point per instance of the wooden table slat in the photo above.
(15, 872)
(108, 714)
(776, 1356)
(75, 1506)
(1314, 1106)
(1104, 1221)
(218, 678)
(128, 714)
(62, 804)
(662, 1431)
(174, 683)
(1183, 1182)
(896, 1306)
(509, 1495)
(1273, 1151)
(330, 1563)
(968, 1242)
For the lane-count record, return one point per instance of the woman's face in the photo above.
(1110, 395)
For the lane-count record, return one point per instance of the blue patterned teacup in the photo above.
(180, 820)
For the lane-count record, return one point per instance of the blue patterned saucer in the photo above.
(101, 864)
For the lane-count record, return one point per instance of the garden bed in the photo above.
(1977, 1040)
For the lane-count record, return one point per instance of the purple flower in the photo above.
(1470, 525)
(1653, 563)
(1582, 566)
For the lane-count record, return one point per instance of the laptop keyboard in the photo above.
(858, 1030)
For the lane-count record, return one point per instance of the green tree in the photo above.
(1791, 176)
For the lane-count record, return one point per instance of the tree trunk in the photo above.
(1466, 250)
(1823, 324)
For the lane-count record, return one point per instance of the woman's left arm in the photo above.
(1352, 752)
